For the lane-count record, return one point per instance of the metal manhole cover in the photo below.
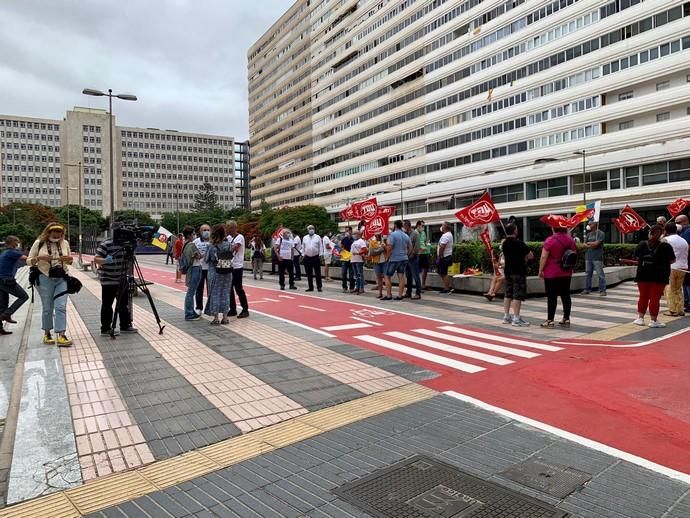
(547, 477)
(423, 487)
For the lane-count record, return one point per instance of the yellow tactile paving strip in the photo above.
(121, 487)
(617, 332)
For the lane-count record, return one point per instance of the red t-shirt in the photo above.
(556, 244)
(178, 247)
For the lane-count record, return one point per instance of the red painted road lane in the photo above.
(633, 399)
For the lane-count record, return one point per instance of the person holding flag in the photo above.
(594, 258)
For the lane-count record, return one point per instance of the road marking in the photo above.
(312, 308)
(450, 348)
(505, 339)
(284, 297)
(630, 345)
(366, 321)
(476, 343)
(583, 441)
(266, 299)
(345, 327)
(423, 355)
(292, 322)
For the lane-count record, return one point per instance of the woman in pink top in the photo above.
(556, 278)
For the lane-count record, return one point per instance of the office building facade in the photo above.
(156, 171)
(438, 101)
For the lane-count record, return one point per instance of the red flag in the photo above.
(278, 233)
(347, 214)
(677, 207)
(556, 221)
(379, 224)
(581, 217)
(486, 239)
(629, 221)
(481, 212)
(365, 209)
(386, 210)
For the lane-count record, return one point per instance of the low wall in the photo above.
(480, 283)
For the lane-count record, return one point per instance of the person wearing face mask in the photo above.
(684, 232)
(50, 253)
(312, 248)
(202, 242)
(346, 271)
(444, 256)
(327, 244)
(9, 262)
(594, 258)
(654, 259)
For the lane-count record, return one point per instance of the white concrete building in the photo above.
(156, 171)
(450, 98)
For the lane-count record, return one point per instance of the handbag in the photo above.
(74, 285)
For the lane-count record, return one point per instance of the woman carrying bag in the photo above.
(50, 254)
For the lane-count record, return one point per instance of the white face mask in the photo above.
(311, 231)
(441, 229)
(54, 239)
(588, 228)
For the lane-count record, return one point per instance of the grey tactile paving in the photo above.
(304, 385)
(173, 416)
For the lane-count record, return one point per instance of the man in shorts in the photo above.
(399, 248)
(515, 254)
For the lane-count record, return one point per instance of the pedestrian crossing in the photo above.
(440, 346)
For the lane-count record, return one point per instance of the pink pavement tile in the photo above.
(131, 457)
(97, 442)
(111, 441)
(83, 446)
(123, 437)
(144, 453)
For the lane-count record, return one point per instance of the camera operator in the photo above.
(202, 242)
(111, 259)
(236, 241)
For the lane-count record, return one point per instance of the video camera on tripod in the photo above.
(130, 236)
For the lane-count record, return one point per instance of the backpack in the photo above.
(569, 258)
(183, 263)
(224, 262)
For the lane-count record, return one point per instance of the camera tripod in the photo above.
(125, 292)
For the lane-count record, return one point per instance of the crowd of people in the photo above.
(212, 263)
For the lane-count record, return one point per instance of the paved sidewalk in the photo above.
(264, 418)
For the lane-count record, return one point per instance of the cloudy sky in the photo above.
(184, 59)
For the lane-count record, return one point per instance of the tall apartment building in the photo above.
(156, 171)
(438, 101)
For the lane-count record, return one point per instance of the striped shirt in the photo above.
(110, 274)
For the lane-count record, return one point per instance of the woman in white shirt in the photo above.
(327, 254)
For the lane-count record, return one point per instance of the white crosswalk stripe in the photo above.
(423, 355)
(450, 348)
(513, 341)
(476, 343)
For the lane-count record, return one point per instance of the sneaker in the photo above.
(638, 321)
(282, 288)
(63, 341)
(131, 330)
(444, 292)
(655, 324)
(585, 292)
(4, 332)
(8, 319)
(309, 289)
(508, 319)
(48, 340)
(195, 317)
(602, 293)
(232, 313)
(107, 333)
(519, 322)
(293, 287)
(243, 314)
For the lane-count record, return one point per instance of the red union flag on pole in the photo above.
(629, 221)
(481, 212)
(366, 209)
(581, 217)
(386, 210)
(379, 224)
(278, 233)
(347, 214)
(556, 221)
(677, 207)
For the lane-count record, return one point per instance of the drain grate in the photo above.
(547, 477)
(423, 487)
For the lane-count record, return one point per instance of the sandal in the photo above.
(215, 322)
(547, 325)
(224, 322)
(564, 323)
(489, 296)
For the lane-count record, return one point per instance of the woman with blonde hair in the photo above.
(50, 253)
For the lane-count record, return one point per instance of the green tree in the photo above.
(26, 235)
(206, 200)
(296, 219)
(129, 216)
(30, 216)
(89, 218)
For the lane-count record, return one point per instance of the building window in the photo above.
(625, 95)
(508, 193)
(625, 125)
(653, 174)
(679, 170)
(547, 188)
(662, 86)
(614, 179)
(660, 117)
(632, 176)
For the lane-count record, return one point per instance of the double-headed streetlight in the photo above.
(80, 189)
(110, 95)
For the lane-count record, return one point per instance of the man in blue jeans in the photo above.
(594, 259)
(684, 232)
(193, 276)
(399, 248)
(413, 263)
(9, 261)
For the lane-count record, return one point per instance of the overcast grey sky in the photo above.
(186, 60)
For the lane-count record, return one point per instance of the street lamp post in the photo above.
(177, 204)
(583, 153)
(110, 95)
(402, 203)
(14, 215)
(81, 190)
